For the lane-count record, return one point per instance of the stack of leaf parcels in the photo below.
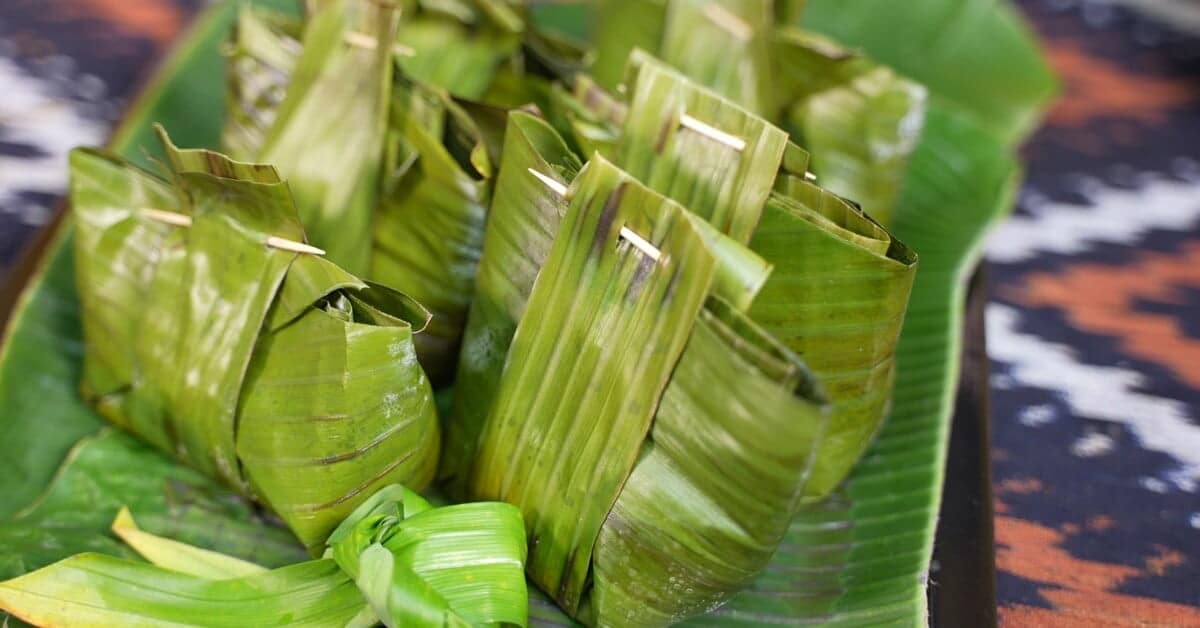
(651, 330)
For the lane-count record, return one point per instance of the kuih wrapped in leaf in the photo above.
(394, 174)
(708, 459)
(860, 119)
(275, 371)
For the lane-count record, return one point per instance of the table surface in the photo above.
(1093, 317)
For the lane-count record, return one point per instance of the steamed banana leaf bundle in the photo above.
(276, 372)
(392, 176)
(667, 296)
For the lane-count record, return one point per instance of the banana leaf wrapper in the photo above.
(724, 45)
(429, 226)
(860, 120)
(768, 387)
(279, 374)
(407, 201)
(261, 58)
(394, 560)
(626, 590)
(521, 225)
(719, 182)
(840, 284)
(328, 135)
(837, 296)
(460, 45)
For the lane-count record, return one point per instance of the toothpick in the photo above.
(713, 133)
(630, 235)
(297, 247)
(642, 245)
(730, 22)
(557, 187)
(183, 220)
(362, 40)
(171, 218)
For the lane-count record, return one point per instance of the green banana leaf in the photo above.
(312, 394)
(179, 556)
(645, 571)
(459, 45)
(328, 133)
(408, 560)
(600, 285)
(99, 590)
(461, 565)
(689, 166)
(430, 219)
(838, 297)
(860, 120)
(262, 56)
(723, 45)
(522, 222)
(863, 554)
(977, 55)
(111, 469)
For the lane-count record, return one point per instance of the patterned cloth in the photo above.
(1095, 288)
(1094, 334)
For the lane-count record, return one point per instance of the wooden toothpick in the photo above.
(557, 187)
(628, 234)
(362, 40)
(641, 243)
(185, 221)
(728, 21)
(712, 133)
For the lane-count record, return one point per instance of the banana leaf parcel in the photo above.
(390, 173)
(683, 357)
(274, 371)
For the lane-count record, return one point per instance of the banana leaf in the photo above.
(459, 565)
(862, 556)
(430, 219)
(522, 221)
(600, 286)
(104, 472)
(179, 556)
(262, 56)
(459, 45)
(623, 26)
(978, 56)
(328, 133)
(724, 182)
(636, 580)
(407, 559)
(859, 119)
(302, 386)
(723, 45)
(838, 297)
(99, 590)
